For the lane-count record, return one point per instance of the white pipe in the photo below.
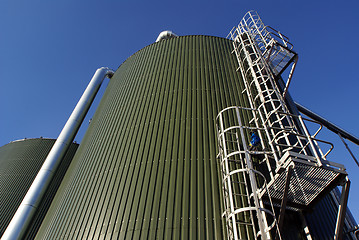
(23, 216)
(166, 35)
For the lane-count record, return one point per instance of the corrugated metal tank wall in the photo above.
(19, 163)
(147, 165)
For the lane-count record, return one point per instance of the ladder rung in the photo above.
(244, 223)
(240, 182)
(242, 195)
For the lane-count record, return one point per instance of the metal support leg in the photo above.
(305, 226)
(284, 201)
(338, 235)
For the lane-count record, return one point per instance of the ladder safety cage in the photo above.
(265, 96)
(274, 46)
(245, 212)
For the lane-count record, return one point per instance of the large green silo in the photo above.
(20, 161)
(147, 165)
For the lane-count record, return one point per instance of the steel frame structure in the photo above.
(263, 54)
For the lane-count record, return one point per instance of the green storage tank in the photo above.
(19, 163)
(147, 165)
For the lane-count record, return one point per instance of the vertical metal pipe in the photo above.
(23, 216)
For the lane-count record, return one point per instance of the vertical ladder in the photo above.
(245, 213)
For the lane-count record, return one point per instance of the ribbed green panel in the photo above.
(19, 163)
(147, 165)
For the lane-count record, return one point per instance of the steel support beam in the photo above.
(332, 127)
(338, 235)
(347, 147)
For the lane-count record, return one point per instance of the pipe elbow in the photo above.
(166, 35)
(108, 72)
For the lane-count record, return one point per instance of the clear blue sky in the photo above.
(49, 51)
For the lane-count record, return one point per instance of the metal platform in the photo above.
(308, 182)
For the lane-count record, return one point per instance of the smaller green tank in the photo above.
(20, 162)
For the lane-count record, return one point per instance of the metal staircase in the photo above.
(289, 163)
